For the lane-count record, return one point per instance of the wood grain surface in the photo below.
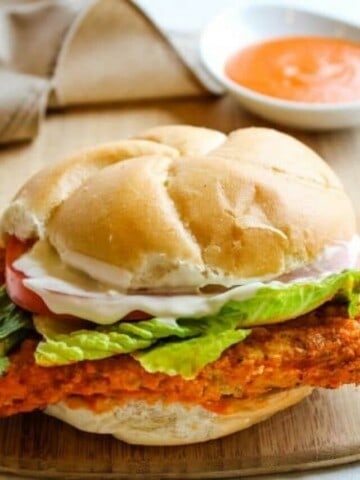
(323, 430)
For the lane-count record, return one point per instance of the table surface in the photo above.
(63, 132)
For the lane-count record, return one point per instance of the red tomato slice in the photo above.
(137, 315)
(25, 298)
(19, 294)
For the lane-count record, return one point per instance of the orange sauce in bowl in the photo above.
(300, 69)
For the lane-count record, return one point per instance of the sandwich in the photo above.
(178, 286)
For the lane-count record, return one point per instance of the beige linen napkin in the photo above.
(60, 52)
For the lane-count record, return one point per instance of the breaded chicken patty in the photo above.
(320, 349)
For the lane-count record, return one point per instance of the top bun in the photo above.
(182, 207)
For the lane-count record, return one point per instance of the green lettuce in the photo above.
(105, 341)
(185, 346)
(278, 303)
(188, 357)
(198, 341)
(15, 325)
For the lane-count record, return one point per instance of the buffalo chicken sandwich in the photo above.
(178, 286)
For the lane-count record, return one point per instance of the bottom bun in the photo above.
(142, 423)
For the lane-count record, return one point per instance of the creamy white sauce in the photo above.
(188, 278)
(66, 290)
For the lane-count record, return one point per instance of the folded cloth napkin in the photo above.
(55, 53)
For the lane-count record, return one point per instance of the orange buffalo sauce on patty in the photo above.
(319, 349)
(300, 69)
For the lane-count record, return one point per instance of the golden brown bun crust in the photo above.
(174, 424)
(27, 215)
(188, 207)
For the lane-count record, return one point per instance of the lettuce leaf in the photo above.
(185, 346)
(12, 318)
(203, 342)
(188, 357)
(105, 341)
(278, 302)
(15, 325)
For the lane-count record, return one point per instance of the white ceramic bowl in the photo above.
(253, 22)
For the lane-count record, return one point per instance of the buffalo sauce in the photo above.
(300, 69)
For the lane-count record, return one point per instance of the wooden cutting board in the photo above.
(323, 430)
